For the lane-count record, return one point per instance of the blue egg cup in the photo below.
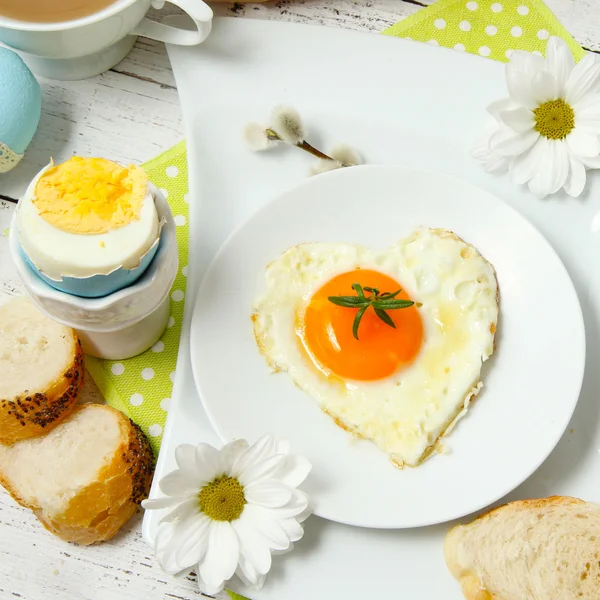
(100, 285)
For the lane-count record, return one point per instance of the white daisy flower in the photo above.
(231, 508)
(547, 132)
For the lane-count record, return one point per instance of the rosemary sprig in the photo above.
(378, 301)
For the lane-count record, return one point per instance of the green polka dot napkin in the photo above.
(490, 28)
(141, 386)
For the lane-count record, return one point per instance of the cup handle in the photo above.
(199, 12)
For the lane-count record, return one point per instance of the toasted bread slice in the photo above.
(540, 549)
(85, 478)
(41, 371)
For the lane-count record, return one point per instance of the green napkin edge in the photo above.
(235, 596)
(401, 27)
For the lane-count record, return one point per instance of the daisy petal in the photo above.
(260, 470)
(519, 88)
(159, 503)
(591, 162)
(231, 452)
(544, 87)
(208, 462)
(183, 511)
(253, 546)
(559, 60)
(507, 142)
(492, 163)
(521, 119)
(523, 167)
(221, 557)
(576, 182)
(583, 144)
(297, 505)
(270, 493)
(541, 182)
(294, 471)
(495, 108)
(263, 448)
(178, 483)
(246, 572)
(292, 528)
(560, 164)
(192, 549)
(269, 526)
(249, 575)
(185, 456)
(587, 114)
(164, 537)
(584, 79)
(525, 62)
(184, 534)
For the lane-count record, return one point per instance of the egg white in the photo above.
(58, 253)
(404, 414)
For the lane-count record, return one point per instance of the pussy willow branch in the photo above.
(303, 145)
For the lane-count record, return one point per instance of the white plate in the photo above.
(516, 421)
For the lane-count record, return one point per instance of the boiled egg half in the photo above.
(89, 226)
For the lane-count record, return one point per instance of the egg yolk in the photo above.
(90, 195)
(326, 330)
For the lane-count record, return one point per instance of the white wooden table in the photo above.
(131, 114)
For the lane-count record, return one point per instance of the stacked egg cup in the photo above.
(94, 244)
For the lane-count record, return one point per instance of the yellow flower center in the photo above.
(222, 499)
(554, 119)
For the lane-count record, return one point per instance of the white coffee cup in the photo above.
(91, 45)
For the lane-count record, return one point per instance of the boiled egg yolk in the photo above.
(90, 195)
(381, 350)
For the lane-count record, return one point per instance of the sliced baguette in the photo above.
(41, 371)
(542, 549)
(85, 478)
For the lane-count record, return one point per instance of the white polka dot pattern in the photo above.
(117, 369)
(136, 399)
(155, 430)
(147, 374)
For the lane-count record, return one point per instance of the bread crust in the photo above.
(36, 412)
(98, 511)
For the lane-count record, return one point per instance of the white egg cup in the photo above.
(122, 324)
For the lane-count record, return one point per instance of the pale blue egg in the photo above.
(20, 106)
